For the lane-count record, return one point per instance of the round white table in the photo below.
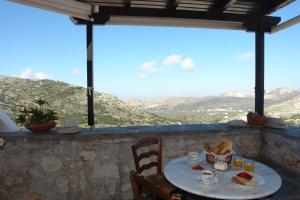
(180, 173)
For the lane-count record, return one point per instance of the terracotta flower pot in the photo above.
(41, 128)
(256, 120)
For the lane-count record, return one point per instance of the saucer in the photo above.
(260, 181)
(213, 181)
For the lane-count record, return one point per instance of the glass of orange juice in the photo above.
(249, 165)
(237, 162)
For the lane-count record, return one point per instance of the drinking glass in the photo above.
(249, 165)
(237, 162)
(193, 157)
(201, 155)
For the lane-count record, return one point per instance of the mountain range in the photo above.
(280, 102)
(70, 103)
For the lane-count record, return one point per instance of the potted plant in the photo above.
(36, 118)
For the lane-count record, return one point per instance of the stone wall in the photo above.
(95, 164)
(282, 147)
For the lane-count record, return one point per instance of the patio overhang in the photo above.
(67, 7)
(224, 14)
(109, 15)
(247, 15)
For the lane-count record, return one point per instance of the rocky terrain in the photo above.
(280, 102)
(70, 103)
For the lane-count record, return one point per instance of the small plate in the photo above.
(260, 181)
(213, 181)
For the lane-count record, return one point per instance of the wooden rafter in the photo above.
(221, 6)
(172, 4)
(268, 7)
(182, 14)
(127, 3)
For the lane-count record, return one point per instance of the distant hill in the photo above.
(288, 109)
(202, 110)
(282, 94)
(233, 105)
(236, 94)
(166, 102)
(70, 102)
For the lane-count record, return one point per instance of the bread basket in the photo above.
(212, 158)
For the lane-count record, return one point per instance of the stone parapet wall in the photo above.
(95, 164)
(282, 147)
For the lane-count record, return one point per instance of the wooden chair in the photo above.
(155, 184)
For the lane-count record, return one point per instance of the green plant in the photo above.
(36, 114)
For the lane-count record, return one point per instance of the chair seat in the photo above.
(160, 181)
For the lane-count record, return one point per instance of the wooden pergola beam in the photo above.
(164, 13)
(127, 3)
(90, 74)
(259, 69)
(220, 6)
(172, 4)
(268, 6)
(103, 17)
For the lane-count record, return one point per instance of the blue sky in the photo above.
(144, 62)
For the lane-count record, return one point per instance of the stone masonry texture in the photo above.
(95, 164)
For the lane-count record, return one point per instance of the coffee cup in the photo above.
(207, 176)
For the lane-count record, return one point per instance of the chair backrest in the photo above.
(145, 142)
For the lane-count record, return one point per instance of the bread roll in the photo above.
(227, 147)
(222, 147)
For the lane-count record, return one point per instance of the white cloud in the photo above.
(28, 74)
(172, 59)
(246, 56)
(40, 75)
(76, 72)
(149, 66)
(188, 64)
(142, 77)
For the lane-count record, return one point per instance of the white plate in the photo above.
(213, 181)
(260, 181)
